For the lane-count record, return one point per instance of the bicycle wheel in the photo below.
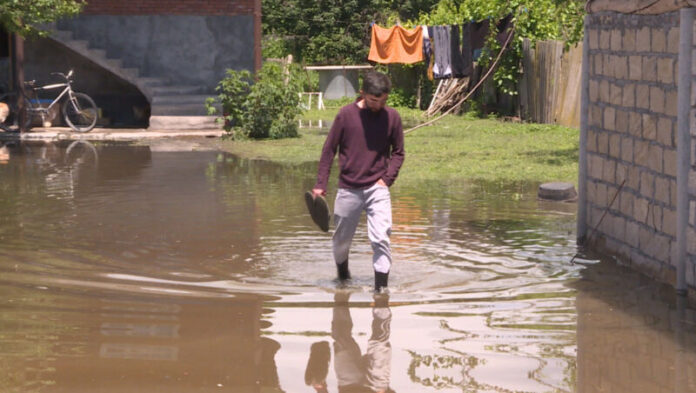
(80, 112)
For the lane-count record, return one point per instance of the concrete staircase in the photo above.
(172, 106)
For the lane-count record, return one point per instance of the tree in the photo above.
(22, 16)
(410, 9)
(323, 31)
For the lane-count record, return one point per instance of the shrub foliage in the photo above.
(263, 108)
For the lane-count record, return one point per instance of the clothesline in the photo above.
(453, 48)
(473, 90)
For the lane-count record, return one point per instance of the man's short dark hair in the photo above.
(376, 83)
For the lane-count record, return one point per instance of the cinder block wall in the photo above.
(632, 128)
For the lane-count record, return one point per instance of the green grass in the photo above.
(454, 149)
(492, 151)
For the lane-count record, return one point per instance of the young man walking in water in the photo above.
(369, 139)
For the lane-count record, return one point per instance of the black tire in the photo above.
(81, 113)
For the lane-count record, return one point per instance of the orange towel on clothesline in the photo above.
(396, 45)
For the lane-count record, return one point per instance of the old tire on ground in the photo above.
(557, 191)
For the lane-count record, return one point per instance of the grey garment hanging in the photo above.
(442, 48)
(452, 59)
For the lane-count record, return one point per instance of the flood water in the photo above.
(172, 267)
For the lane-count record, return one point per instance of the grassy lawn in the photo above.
(454, 149)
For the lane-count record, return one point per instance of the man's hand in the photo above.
(317, 192)
(382, 183)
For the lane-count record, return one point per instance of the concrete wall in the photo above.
(188, 50)
(631, 136)
(170, 7)
(691, 226)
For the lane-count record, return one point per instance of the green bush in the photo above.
(401, 99)
(266, 108)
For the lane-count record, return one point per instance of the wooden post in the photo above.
(257, 36)
(18, 77)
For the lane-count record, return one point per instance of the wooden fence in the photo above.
(550, 84)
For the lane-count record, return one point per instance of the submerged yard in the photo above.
(148, 268)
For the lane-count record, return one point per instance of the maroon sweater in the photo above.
(370, 147)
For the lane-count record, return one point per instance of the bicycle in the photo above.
(79, 110)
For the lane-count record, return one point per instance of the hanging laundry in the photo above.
(456, 52)
(427, 47)
(467, 50)
(479, 31)
(396, 45)
(460, 54)
(504, 27)
(451, 61)
(441, 38)
(431, 63)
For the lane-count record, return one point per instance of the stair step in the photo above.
(184, 123)
(98, 53)
(151, 82)
(132, 73)
(179, 110)
(180, 99)
(176, 89)
(79, 45)
(114, 63)
(62, 35)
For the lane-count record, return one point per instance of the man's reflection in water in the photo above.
(356, 373)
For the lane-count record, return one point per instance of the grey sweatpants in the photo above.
(349, 205)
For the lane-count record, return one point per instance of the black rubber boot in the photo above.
(381, 282)
(343, 272)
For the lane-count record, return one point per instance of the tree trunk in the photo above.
(18, 78)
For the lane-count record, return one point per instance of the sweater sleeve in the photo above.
(397, 152)
(328, 152)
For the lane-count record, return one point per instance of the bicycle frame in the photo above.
(37, 108)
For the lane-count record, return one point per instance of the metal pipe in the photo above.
(686, 23)
(584, 115)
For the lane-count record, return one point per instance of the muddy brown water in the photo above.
(172, 268)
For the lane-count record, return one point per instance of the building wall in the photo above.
(691, 226)
(186, 49)
(169, 7)
(632, 126)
